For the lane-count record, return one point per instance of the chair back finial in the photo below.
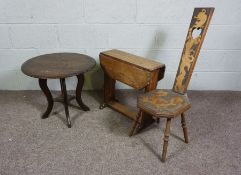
(198, 26)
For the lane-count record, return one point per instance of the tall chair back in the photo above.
(195, 36)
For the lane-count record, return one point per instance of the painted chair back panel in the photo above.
(199, 25)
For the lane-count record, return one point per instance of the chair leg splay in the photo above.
(166, 139)
(184, 127)
(136, 123)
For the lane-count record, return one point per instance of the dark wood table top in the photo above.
(57, 65)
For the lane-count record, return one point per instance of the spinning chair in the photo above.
(172, 103)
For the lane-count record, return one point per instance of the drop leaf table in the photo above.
(135, 71)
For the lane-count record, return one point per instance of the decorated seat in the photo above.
(163, 103)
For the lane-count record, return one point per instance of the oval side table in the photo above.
(59, 66)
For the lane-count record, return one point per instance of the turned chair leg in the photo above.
(135, 123)
(166, 139)
(184, 127)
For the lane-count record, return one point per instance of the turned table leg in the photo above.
(79, 91)
(64, 93)
(44, 87)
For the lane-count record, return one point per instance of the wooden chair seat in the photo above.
(163, 103)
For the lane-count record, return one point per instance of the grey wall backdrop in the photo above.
(155, 29)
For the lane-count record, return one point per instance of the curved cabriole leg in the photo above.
(166, 139)
(184, 127)
(64, 93)
(78, 92)
(44, 87)
(135, 123)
